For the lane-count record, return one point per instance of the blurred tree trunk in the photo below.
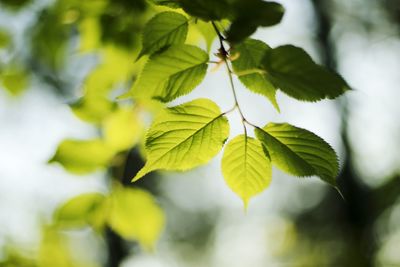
(117, 247)
(349, 223)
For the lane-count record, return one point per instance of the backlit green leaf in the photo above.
(185, 136)
(82, 157)
(171, 73)
(293, 71)
(162, 30)
(135, 215)
(299, 152)
(83, 210)
(250, 53)
(246, 168)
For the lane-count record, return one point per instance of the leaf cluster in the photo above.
(191, 134)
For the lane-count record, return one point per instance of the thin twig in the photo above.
(224, 56)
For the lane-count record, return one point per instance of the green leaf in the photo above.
(251, 14)
(293, 71)
(82, 157)
(83, 210)
(135, 215)
(162, 30)
(185, 136)
(208, 9)
(171, 73)
(245, 167)
(250, 53)
(299, 152)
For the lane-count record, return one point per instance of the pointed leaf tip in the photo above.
(185, 136)
(299, 152)
(171, 73)
(164, 29)
(245, 167)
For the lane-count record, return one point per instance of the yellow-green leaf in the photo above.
(83, 210)
(82, 157)
(122, 129)
(245, 167)
(162, 30)
(207, 31)
(15, 80)
(135, 215)
(171, 73)
(299, 152)
(185, 136)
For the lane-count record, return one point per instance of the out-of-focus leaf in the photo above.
(135, 215)
(293, 71)
(246, 168)
(14, 80)
(122, 129)
(90, 34)
(171, 73)
(162, 30)
(92, 108)
(54, 250)
(116, 68)
(5, 39)
(83, 210)
(250, 54)
(82, 157)
(14, 4)
(50, 38)
(168, 3)
(299, 152)
(185, 136)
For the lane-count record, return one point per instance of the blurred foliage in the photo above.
(130, 212)
(5, 39)
(82, 210)
(14, 4)
(14, 79)
(109, 29)
(135, 215)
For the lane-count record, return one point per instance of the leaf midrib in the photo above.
(187, 138)
(164, 36)
(297, 155)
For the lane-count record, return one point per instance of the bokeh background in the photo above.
(50, 53)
